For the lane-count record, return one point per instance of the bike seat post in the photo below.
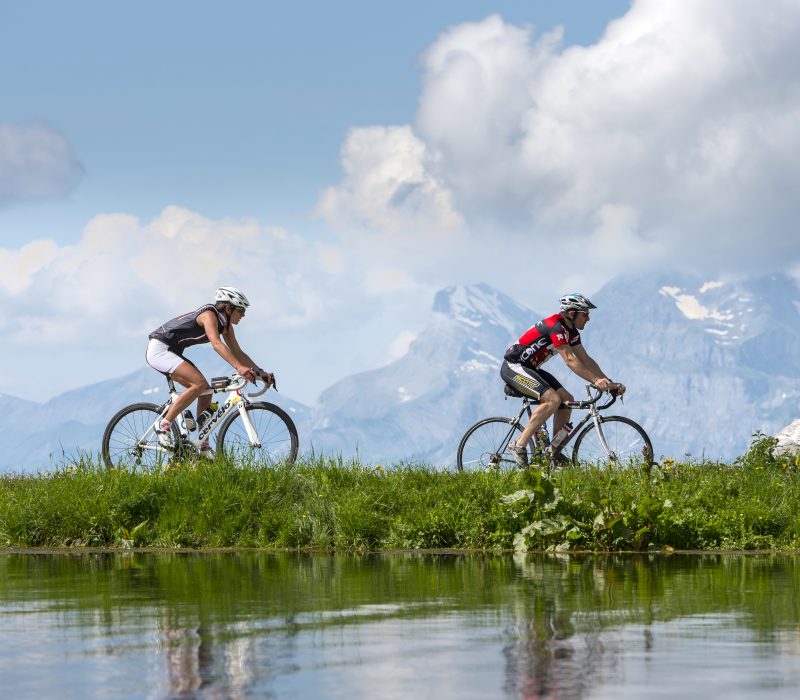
(171, 385)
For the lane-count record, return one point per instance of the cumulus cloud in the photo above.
(124, 277)
(81, 312)
(389, 186)
(677, 131)
(673, 140)
(36, 163)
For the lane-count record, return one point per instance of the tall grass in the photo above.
(347, 506)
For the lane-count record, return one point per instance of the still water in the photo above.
(252, 624)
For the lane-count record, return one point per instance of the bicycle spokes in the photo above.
(615, 440)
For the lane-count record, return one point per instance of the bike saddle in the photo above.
(511, 391)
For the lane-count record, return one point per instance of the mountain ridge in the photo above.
(706, 362)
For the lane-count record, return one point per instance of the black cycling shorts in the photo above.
(528, 381)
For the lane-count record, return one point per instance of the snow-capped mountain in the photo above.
(41, 436)
(417, 407)
(706, 362)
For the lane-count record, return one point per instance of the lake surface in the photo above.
(252, 624)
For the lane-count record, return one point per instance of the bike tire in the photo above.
(483, 446)
(276, 432)
(625, 438)
(124, 444)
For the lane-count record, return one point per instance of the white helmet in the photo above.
(575, 302)
(231, 295)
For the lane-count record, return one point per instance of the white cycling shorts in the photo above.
(161, 358)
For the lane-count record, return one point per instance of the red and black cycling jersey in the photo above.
(538, 344)
(184, 331)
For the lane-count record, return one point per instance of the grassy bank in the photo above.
(753, 503)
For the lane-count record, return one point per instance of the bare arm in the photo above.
(208, 321)
(233, 344)
(230, 338)
(588, 361)
(578, 360)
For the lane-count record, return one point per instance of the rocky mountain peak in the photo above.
(478, 305)
(707, 362)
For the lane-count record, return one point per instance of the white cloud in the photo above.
(677, 131)
(614, 240)
(83, 311)
(123, 277)
(36, 163)
(386, 279)
(400, 345)
(476, 93)
(388, 186)
(535, 167)
(19, 266)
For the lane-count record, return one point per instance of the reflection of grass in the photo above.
(331, 504)
(544, 596)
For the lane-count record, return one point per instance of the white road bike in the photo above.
(601, 440)
(250, 432)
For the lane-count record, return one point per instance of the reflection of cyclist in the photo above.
(211, 323)
(520, 369)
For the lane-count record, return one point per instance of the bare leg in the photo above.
(549, 403)
(188, 376)
(203, 402)
(562, 415)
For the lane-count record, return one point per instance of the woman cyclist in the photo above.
(210, 323)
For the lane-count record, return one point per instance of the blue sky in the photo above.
(229, 109)
(342, 161)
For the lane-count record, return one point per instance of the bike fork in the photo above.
(248, 426)
(598, 424)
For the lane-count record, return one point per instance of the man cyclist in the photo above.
(210, 323)
(522, 362)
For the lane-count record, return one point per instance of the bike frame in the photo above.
(593, 415)
(235, 400)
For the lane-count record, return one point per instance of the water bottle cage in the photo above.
(561, 436)
(204, 416)
(542, 435)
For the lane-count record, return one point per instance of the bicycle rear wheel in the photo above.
(275, 431)
(628, 444)
(483, 446)
(130, 442)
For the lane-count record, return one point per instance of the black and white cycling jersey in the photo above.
(183, 331)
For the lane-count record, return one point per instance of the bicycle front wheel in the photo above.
(627, 442)
(483, 446)
(275, 432)
(130, 441)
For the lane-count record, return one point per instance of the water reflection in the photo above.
(600, 626)
(246, 624)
